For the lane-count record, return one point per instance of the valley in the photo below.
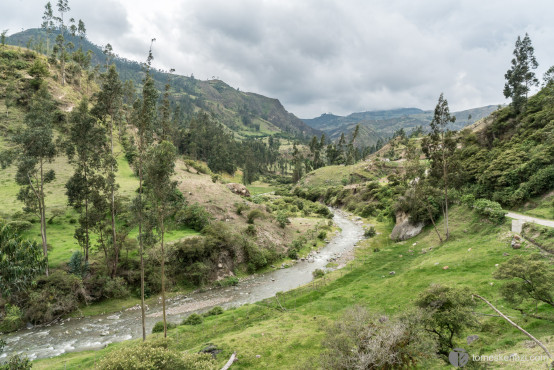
(151, 220)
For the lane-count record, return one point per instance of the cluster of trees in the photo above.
(509, 172)
(203, 138)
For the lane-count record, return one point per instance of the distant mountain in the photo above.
(384, 123)
(246, 114)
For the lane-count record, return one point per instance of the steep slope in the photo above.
(246, 114)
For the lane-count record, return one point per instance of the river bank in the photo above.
(94, 332)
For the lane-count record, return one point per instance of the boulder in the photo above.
(238, 189)
(404, 229)
(472, 338)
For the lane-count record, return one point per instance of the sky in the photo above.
(322, 56)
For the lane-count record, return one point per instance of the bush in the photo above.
(54, 296)
(528, 278)
(360, 340)
(322, 235)
(116, 288)
(194, 319)
(13, 319)
(282, 219)
(199, 167)
(77, 265)
(490, 209)
(154, 355)
(214, 311)
(447, 312)
(17, 362)
(250, 230)
(159, 327)
(19, 226)
(241, 207)
(299, 243)
(193, 216)
(228, 281)
(318, 273)
(468, 200)
(256, 257)
(292, 253)
(370, 233)
(254, 214)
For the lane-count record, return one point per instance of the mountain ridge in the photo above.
(247, 114)
(382, 124)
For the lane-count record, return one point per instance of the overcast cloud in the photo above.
(322, 56)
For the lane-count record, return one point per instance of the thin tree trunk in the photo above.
(434, 224)
(86, 246)
(63, 66)
(445, 179)
(516, 326)
(141, 252)
(163, 275)
(43, 216)
(115, 247)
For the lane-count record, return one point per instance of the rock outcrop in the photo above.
(404, 229)
(238, 189)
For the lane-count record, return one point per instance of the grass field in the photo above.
(264, 336)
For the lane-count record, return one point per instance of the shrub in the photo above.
(198, 272)
(77, 265)
(255, 256)
(318, 273)
(154, 355)
(253, 214)
(368, 210)
(360, 340)
(194, 319)
(322, 235)
(159, 327)
(299, 243)
(54, 296)
(241, 207)
(19, 226)
(292, 253)
(447, 312)
(228, 281)
(490, 209)
(214, 311)
(13, 319)
(116, 288)
(250, 230)
(199, 167)
(17, 362)
(370, 233)
(282, 219)
(468, 200)
(194, 216)
(528, 278)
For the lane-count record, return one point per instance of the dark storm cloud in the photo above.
(321, 56)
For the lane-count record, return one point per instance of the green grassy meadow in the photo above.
(265, 336)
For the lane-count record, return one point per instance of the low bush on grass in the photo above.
(490, 210)
(214, 311)
(194, 319)
(361, 340)
(154, 355)
(159, 327)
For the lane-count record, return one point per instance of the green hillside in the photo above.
(246, 114)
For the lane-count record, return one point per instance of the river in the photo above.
(94, 332)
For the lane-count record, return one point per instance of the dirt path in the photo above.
(525, 218)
